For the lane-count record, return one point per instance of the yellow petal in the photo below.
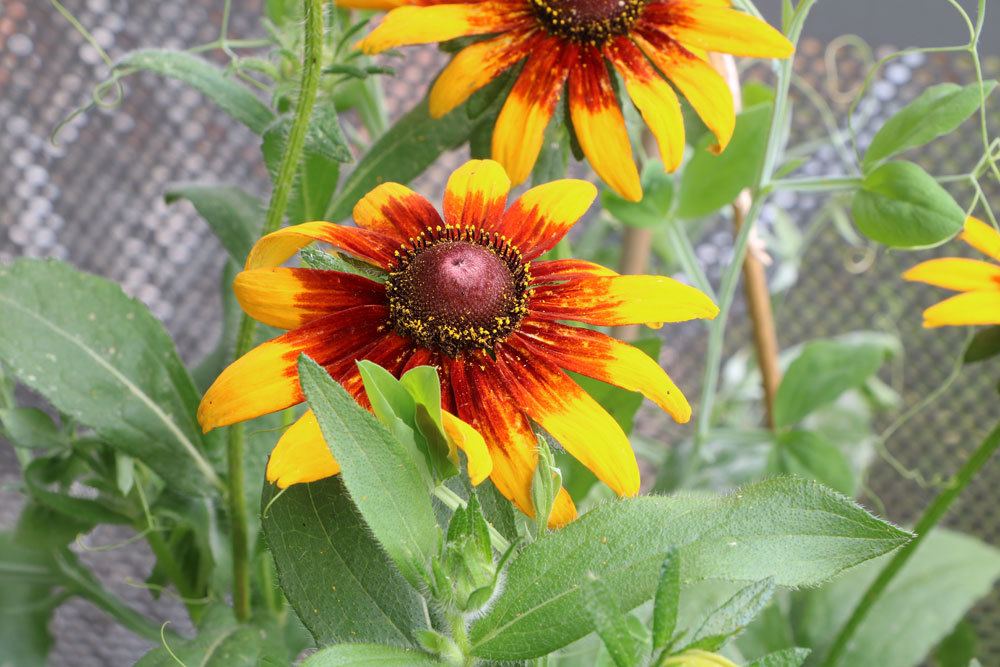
(301, 455)
(726, 31)
(468, 439)
(600, 127)
(367, 245)
(476, 194)
(968, 309)
(982, 237)
(543, 215)
(439, 23)
(474, 67)
(621, 300)
(955, 273)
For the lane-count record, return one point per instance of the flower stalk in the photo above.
(930, 518)
(311, 71)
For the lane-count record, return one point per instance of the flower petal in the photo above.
(955, 273)
(560, 270)
(468, 439)
(653, 97)
(540, 217)
(439, 23)
(476, 194)
(475, 66)
(276, 247)
(599, 125)
(483, 402)
(619, 300)
(604, 358)
(982, 237)
(968, 309)
(520, 127)
(289, 298)
(698, 81)
(396, 211)
(719, 29)
(266, 380)
(571, 416)
(301, 455)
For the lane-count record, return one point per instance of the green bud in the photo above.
(545, 485)
(468, 557)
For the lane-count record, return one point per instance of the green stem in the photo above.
(817, 184)
(727, 290)
(932, 515)
(311, 72)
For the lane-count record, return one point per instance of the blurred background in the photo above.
(95, 199)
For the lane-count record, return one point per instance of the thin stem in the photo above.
(825, 184)
(311, 71)
(453, 501)
(932, 515)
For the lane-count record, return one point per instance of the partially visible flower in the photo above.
(465, 294)
(978, 281)
(697, 658)
(647, 42)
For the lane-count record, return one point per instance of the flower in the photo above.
(464, 294)
(697, 658)
(979, 281)
(647, 42)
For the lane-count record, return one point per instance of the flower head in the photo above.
(978, 281)
(568, 43)
(465, 294)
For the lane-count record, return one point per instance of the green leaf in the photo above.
(667, 601)
(934, 590)
(86, 510)
(368, 655)
(221, 642)
(235, 217)
(900, 205)
(26, 604)
(102, 358)
(314, 258)
(611, 624)
(791, 657)
(938, 111)
(31, 428)
(795, 531)
(809, 455)
(984, 345)
(653, 210)
(380, 473)
(331, 569)
(821, 373)
(232, 97)
(412, 145)
(959, 648)
(730, 619)
(712, 181)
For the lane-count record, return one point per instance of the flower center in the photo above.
(455, 289)
(588, 21)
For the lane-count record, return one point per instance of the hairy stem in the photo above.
(275, 214)
(931, 516)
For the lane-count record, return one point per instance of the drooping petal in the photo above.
(720, 29)
(604, 358)
(571, 416)
(703, 87)
(369, 246)
(396, 211)
(266, 379)
(468, 439)
(982, 237)
(561, 270)
(968, 309)
(301, 455)
(440, 23)
(620, 300)
(540, 217)
(475, 66)
(476, 194)
(955, 273)
(520, 127)
(483, 402)
(599, 125)
(653, 97)
(289, 298)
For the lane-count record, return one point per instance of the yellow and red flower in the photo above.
(569, 42)
(978, 281)
(465, 294)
